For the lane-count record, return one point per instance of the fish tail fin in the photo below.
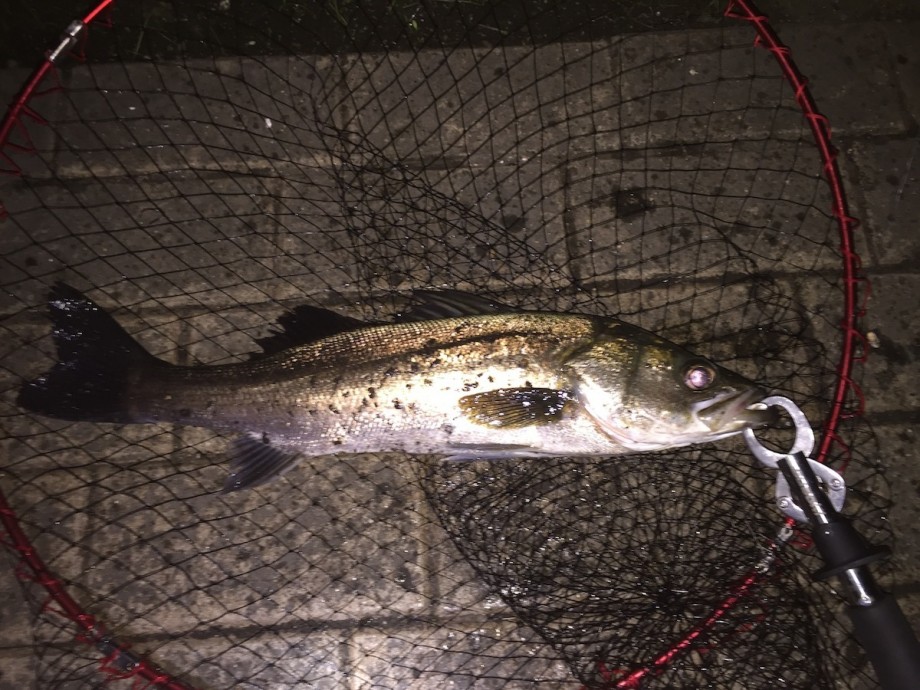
(97, 361)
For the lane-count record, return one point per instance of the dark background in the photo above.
(28, 28)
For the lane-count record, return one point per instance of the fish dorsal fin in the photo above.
(446, 304)
(306, 324)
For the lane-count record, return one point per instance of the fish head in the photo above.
(648, 393)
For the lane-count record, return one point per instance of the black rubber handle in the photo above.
(889, 641)
(881, 627)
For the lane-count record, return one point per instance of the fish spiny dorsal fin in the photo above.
(446, 304)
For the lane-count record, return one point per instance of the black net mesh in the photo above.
(215, 164)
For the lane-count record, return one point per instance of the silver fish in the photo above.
(459, 377)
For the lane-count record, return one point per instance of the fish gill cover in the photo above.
(209, 167)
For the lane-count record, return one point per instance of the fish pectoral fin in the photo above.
(513, 408)
(255, 461)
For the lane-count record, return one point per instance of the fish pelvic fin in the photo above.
(470, 452)
(511, 408)
(255, 461)
(97, 360)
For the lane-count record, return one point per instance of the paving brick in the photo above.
(177, 233)
(890, 370)
(905, 58)
(331, 542)
(396, 228)
(17, 631)
(252, 660)
(481, 105)
(633, 92)
(885, 187)
(691, 87)
(700, 212)
(226, 115)
(511, 216)
(256, 660)
(850, 76)
(16, 662)
(492, 655)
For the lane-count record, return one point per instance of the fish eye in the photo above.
(699, 376)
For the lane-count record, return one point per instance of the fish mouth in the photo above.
(734, 412)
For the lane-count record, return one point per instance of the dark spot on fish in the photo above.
(345, 394)
(431, 342)
(372, 393)
(470, 385)
(390, 373)
(427, 382)
(365, 402)
(414, 367)
(434, 363)
(333, 409)
(528, 384)
(491, 379)
(312, 413)
(411, 407)
(185, 412)
(337, 442)
(448, 429)
(265, 438)
(397, 404)
(408, 386)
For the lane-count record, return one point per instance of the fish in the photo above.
(458, 376)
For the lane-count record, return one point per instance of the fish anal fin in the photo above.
(255, 461)
(511, 408)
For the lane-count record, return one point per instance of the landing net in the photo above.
(202, 168)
